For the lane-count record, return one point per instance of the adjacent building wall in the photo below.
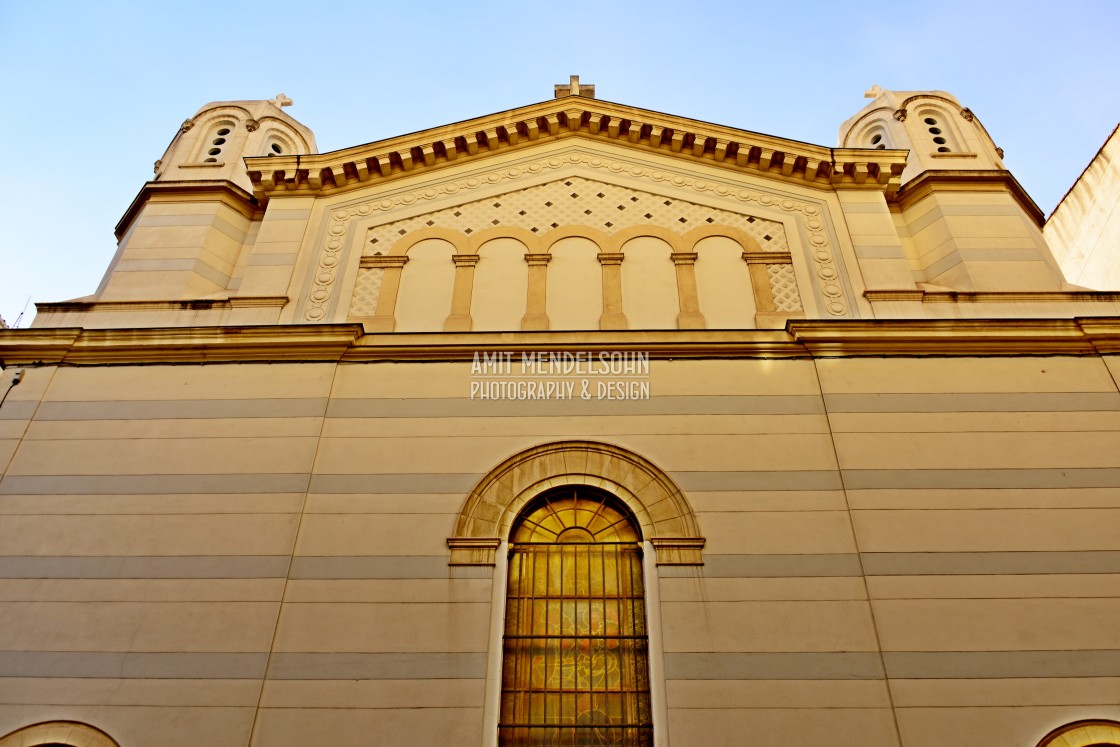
(1084, 230)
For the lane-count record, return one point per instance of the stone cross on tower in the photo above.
(280, 100)
(573, 88)
(873, 92)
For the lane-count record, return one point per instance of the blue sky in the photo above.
(93, 92)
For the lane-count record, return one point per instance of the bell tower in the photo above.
(211, 144)
(965, 223)
(185, 235)
(939, 133)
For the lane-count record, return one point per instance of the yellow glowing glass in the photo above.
(576, 664)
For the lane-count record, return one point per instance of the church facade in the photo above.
(573, 424)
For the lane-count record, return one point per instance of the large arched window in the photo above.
(1090, 733)
(58, 734)
(576, 664)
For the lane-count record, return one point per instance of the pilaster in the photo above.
(613, 316)
(459, 320)
(689, 316)
(536, 297)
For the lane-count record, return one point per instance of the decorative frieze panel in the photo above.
(577, 201)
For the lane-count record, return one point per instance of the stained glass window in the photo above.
(576, 662)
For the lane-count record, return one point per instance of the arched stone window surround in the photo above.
(945, 123)
(214, 120)
(271, 124)
(866, 132)
(1088, 733)
(661, 509)
(207, 144)
(71, 733)
(851, 138)
(282, 138)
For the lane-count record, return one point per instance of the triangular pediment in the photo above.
(576, 117)
(574, 189)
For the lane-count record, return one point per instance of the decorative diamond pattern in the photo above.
(783, 286)
(367, 289)
(580, 201)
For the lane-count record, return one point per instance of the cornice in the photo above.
(326, 342)
(659, 344)
(957, 297)
(1104, 332)
(943, 337)
(576, 116)
(33, 346)
(346, 343)
(195, 304)
(966, 180)
(184, 191)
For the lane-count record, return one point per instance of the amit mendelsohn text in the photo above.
(560, 364)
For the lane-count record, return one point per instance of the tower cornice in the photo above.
(222, 191)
